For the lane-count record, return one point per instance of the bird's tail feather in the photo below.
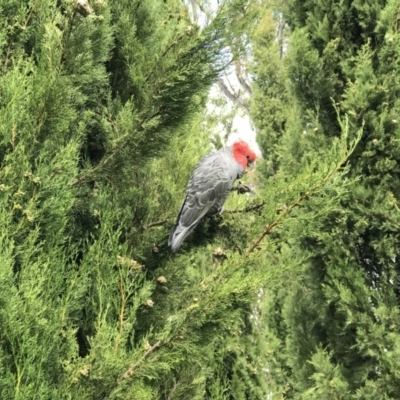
(177, 236)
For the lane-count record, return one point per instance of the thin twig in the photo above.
(7, 56)
(287, 210)
(247, 209)
(130, 370)
(163, 54)
(111, 121)
(231, 96)
(152, 348)
(172, 391)
(122, 311)
(204, 11)
(158, 223)
(84, 177)
(241, 79)
(29, 15)
(13, 134)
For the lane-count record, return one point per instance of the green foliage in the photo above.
(87, 104)
(270, 106)
(332, 331)
(293, 292)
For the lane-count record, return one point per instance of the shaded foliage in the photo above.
(335, 328)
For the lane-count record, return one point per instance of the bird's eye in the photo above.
(247, 157)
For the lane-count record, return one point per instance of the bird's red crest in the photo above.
(243, 154)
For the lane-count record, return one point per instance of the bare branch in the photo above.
(158, 223)
(296, 203)
(242, 81)
(231, 96)
(203, 10)
(122, 310)
(7, 56)
(280, 36)
(129, 372)
(194, 9)
(247, 209)
(32, 10)
(172, 391)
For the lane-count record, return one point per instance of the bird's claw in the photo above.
(241, 188)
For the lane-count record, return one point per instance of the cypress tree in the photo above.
(100, 127)
(332, 328)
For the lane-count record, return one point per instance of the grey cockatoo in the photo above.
(209, 187)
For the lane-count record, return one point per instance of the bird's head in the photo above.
(243, 154)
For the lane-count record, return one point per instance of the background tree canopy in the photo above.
(292, 293)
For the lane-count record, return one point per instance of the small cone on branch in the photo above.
(149, 303)
(219, 252)
(219, 255)
(162, 280)
(83, 7)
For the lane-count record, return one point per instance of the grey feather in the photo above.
(207, 190)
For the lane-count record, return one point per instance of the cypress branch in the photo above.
(345, 155)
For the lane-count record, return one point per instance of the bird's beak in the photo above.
(251, 165)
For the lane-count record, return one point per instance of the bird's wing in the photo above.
(209, 183)
(207, 190)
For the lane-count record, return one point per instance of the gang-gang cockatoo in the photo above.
(209, 187)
